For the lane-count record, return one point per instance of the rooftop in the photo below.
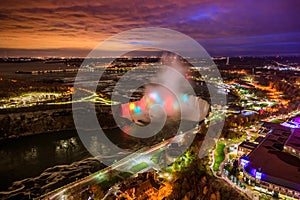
(295, 123)
(276, 166)
(248, 145)
(275, 126)
(294, 140)
(259, 139)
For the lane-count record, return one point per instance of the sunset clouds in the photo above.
(223, 27)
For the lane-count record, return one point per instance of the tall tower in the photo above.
(227, 62)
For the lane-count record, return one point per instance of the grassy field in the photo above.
(219, 155)
(139, 167)
(125, 174)
(277, 121)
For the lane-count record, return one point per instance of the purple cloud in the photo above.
(223, 27)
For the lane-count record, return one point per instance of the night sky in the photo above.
(74, 27)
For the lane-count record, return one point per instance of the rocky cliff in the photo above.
(45, 119)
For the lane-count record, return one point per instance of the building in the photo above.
(294, 124)
(270, 168)
(259, 139)
(146, 189)
(246, 147)
(292, 145)
(145, 186)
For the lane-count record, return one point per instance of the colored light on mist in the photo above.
(185, 98)
(131, 106)
(155, 96)
(137, 110)
(142, 103)
(169, 104)
(176, 105)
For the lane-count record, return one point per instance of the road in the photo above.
(142, 155)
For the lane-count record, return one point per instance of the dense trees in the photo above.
(196, 183)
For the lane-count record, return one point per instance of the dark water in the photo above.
(38, 164)
(41, 163)
(29, 156)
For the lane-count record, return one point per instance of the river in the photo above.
(56, 158)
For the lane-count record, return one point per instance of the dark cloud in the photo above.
(223, 27)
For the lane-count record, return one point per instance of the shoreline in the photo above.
(24, 122)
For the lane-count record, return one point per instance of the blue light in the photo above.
(247, 112)
(258, 175)
(137, 110)
(253, 172)
(244, 162)
(155, 96)
(185, 98)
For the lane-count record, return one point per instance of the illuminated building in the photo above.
(146, 186)
(294, 124)
(270, 168)
(292, 144)
(147, 189)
